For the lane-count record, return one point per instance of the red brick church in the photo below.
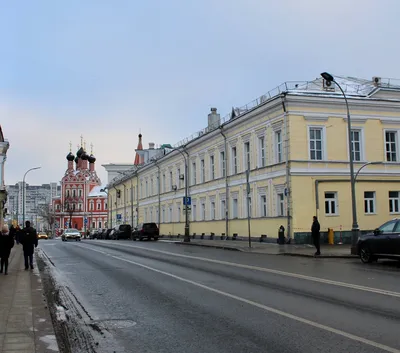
(82, 203)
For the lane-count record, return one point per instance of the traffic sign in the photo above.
(86, 220)
(187, 201)
(119, 216)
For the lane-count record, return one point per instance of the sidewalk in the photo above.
(304, 250)
(25, 323)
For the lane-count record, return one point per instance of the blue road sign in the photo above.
(85, 220)
(119, 216)
(187, 201)
(66, 223)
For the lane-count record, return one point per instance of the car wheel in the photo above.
(140, 238)
(365, 254)
(156, 238)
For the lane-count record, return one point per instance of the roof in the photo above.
(96, 192)
(138, 157)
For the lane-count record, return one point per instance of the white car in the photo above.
(71, 234)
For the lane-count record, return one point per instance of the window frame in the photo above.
(278, 146)
(367, 203)
(280, 201)
(212, 167)
(202, 171)
(222, 156)
(396, 150)
(394, 199)
(246, 155)
(336, 203)
(360, 130)
(263, 205)
(323, 142)
(261, 152)
(234, 169)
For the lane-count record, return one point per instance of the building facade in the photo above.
(36, 198)
(4, 146)
(82, 203)
(293, 144)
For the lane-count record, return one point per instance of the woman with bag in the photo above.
(6, 244)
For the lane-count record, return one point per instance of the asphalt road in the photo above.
(162, 297)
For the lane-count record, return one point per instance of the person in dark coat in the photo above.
(315, 228)
(29, 242)
(6, 244)
(17, 233)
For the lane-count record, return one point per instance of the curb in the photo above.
(322, 256)
(209, 246)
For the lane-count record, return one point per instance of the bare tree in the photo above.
(70, 208)
(46, 212)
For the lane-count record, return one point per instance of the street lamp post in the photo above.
(363, 166)
(354, 228)
(187, 230)
(23, 194)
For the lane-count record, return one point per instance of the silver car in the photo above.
(71, 234)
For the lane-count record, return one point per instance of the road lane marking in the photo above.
(270, 270)
(258, 305)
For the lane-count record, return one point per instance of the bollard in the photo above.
(330, 236)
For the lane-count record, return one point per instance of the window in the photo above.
(80, 207)
(315, 137)
(394, 200)
(91, 206)
(247, 155)
(105, 205)
(234, 160)
(278, 146)
(170, 214)
(74, 193)
(145, 214)
(223, 210)
(234, 207)
(171, 180)
(141, 189)
(222, 163)
(58, 207)
(151, 214)
(356, 144)
(212, 168)
(151, 187)
(73, 206)
(391, 146)
(331, 203)
(194, 212)
(369, 202)
(245, 206)
(163, 215)
(80, 193)
(263, 205)
(203, 212)
(163, 183)
(281, 204)
(67, 193)
(98, 206)
(194, 173)
(99, 224)
(179, 215)
(178, 180)
(212, 210)
(93, 224)
(388, 227)
(146, 190)
(202, 171)
(261, 152)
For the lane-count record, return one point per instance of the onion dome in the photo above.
(70, 157)
(76, 159)
(91, 159)
(80, 152)
(84, 156)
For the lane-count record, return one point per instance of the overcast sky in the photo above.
(108, 69)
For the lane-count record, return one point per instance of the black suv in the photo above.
(384, 242)
(123, 231)
(146, 230)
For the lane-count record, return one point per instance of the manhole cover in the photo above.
(115, 324)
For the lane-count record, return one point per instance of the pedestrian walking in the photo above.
(6, 244)
(29, 242)
(17, 234)
(315, 228)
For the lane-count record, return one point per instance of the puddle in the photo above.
(116, 324)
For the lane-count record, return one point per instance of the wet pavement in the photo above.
(124, 296)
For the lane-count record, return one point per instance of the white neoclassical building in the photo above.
(4, 145)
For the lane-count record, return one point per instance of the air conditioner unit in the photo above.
(174, 187)
(328, 85)
(377, 80)
(181, 177)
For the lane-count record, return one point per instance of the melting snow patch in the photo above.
(61, 313)
(42, 320)
(51, 342)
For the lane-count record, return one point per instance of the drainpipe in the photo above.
(226, 183)
(159, 195)
(287, 166)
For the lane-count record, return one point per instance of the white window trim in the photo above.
(212, 216)
(373, 201)
(324, 143)
(245, 162)
(233, 198)
(392, 198)
(397, 145)
(222, 210)
(336, 204)
(233, 172)
(222, 163)
(361, 129)
(276, 159)
(260, 205)
(259, 150)
(212, 167)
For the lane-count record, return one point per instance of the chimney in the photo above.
(213, 119)
(151, 145)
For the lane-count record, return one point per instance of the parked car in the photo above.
(146, 230)
(108, 233)
(42, 235)
(123, 231)
(71, 234)
(383, 242)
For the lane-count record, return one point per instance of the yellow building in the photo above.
(294, 142)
